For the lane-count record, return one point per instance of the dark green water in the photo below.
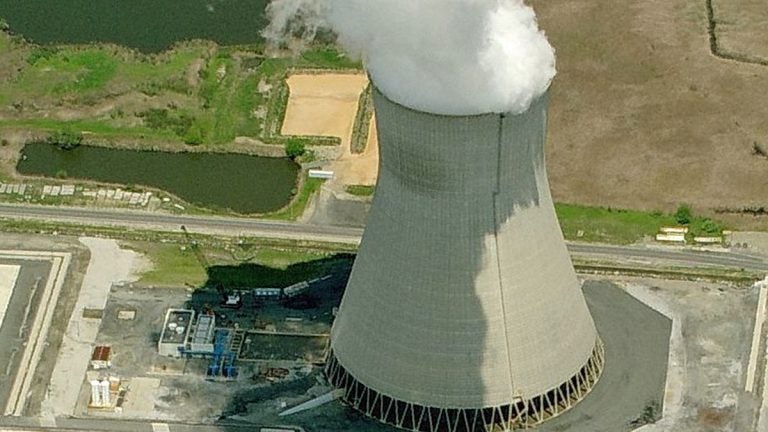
(147, 25)
(245, 184)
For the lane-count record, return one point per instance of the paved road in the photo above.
(202, 224)
(684, 256)
(288, 230)
(25, 424)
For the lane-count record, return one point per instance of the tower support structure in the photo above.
(463, 312)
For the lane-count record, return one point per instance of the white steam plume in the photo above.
(294, 20)
(454, 57)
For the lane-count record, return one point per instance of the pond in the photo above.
(242, 183)
(147, 25)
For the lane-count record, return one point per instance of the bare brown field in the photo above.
(323, 105)
(359, 169)
(642, 114)
(742, 27)
(326, 105)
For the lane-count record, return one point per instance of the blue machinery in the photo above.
(223, 361)
(222, 358)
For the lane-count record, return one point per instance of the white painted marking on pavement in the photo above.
(161, 427)
(8, 275)
(749, 385)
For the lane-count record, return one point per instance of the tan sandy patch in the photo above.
(141, 396)
(359, 169)
(326, 105)
(323, 105)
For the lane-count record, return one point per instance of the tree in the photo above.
(65, 139)
(194, 135)
(295, 148)
(711, 227)
(683, 214)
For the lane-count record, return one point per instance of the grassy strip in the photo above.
(87, 127)
(172, 265)
(360, 190)
(296, 208)
(128, 234)
(362, 124)
(176, 264)
(683, 273)
(606, 225)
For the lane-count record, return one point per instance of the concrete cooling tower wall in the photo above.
(463, 311)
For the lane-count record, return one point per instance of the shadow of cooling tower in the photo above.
(463, 311)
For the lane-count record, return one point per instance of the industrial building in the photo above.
(101, 358)
(463, 311)
(176, 330)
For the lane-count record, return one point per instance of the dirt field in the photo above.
(742, 27)
(326, 105)
(323, 105)
(643, 116)
(359, 169)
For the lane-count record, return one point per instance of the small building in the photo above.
(175, 333)
(671, 238)
(674, 230)
(266, 292)
(202, 337)
(101, 357)
(321, 174)
(708, 240)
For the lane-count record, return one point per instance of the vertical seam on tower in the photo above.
(496, 193)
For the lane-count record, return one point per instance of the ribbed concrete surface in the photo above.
(463, 294)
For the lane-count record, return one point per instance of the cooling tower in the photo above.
(463, 311)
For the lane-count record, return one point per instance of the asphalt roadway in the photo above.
(19, 424)
(234, 226)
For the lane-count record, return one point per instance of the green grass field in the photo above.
(171, 266)
(176, 264)
(210, 94)
(619, 226)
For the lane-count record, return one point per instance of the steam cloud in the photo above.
(454, 57)
(295, 19)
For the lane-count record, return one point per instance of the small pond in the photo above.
(147, 25)
(243, 183)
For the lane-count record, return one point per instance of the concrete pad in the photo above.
(8, 275)
(140, 399)
(109, 264)
(39, 326)
(636, 339)
(161, 427)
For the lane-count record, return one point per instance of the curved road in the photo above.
(233, 226)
